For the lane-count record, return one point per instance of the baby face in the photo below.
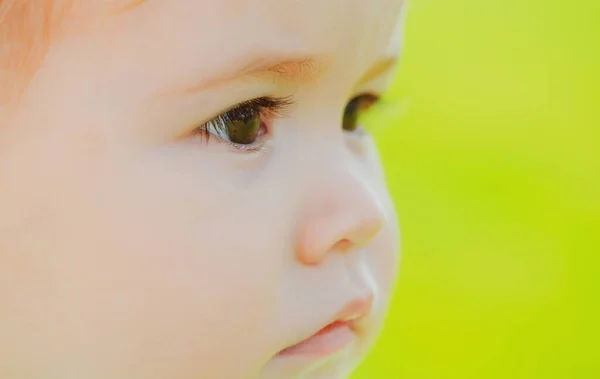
(186, 193)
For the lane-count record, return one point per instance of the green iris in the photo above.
(243, 132)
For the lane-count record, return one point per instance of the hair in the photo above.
(26, 29)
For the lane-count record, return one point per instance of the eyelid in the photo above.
(272, 105)
(370, 95)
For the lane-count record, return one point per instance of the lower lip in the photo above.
(329, 340)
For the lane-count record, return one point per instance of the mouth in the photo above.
(327, 341)
(335, 336)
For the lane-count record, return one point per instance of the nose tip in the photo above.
(360, 234)
(339, 233)
(367, 229)
(345, 214)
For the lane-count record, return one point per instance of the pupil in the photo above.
(244, 132)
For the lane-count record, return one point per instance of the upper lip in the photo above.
(355, 309)
(350, 313)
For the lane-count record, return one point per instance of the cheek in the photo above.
(385, 260)
(168, 268)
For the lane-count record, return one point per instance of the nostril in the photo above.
(339, 231)
(343, 245)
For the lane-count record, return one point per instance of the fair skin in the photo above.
(131, 247)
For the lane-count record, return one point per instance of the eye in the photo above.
(355, 108)
(243, 125)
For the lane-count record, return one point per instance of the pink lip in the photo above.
(355, 309)
(329, 340)
(336, 335)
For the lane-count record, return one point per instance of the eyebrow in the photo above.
(123, 6)
(381, 67)
(302, 70)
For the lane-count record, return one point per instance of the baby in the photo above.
(186, 191)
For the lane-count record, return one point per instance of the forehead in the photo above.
(321, 26)
(286, 14)
(160, 44)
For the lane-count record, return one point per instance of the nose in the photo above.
(346, 217)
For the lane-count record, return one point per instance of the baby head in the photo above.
(187, 191)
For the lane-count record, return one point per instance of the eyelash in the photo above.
(267, 107)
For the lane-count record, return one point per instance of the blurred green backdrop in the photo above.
(492, 155)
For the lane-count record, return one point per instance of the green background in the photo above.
(491, 150)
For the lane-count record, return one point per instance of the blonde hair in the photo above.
(27, 28)
(25, 32)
